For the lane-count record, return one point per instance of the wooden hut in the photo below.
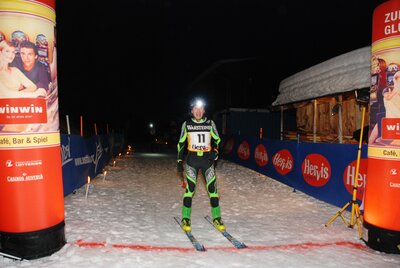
(325, 98)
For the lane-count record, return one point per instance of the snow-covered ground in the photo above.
(127, 221)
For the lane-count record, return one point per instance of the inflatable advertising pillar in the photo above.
(382, 193)
(31, 188)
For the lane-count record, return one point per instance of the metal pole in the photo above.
(68, 129)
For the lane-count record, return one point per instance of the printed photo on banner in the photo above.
(385, 99)
(28, 75)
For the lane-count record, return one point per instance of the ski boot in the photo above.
(219, 224)
(185, 224)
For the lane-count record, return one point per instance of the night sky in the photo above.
(162, 53)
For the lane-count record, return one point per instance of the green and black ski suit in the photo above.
(202, 141)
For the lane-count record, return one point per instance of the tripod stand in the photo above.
(355, 209)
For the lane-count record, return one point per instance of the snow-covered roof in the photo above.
(346, 72)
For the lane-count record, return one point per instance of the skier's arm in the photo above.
(181, 150)
(215, 141)
(182, 142)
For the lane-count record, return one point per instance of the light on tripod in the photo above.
(362, 97)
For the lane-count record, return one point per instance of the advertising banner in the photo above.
(83, 158)
(383, 187)
(324, 171)
(31, 186)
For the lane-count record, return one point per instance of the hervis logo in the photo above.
(229, 146)
(244, 150)
(260, 155)
(349, 177)
(391, 128)
(316, 170)
(283, 161)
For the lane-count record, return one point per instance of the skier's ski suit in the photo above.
(202, 141)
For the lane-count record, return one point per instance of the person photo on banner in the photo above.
(391, 98)
(378, 84)
(30, 66)
(13, 83)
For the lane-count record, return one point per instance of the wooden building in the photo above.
(326, 97)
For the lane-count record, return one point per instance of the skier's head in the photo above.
(197, 106)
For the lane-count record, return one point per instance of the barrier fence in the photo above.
(83, 157)
(324, 171)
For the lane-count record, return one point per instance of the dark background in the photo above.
(129, 63)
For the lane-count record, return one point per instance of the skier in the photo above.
(202, 139)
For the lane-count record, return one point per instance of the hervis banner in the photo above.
(31, 187)
(382, 193)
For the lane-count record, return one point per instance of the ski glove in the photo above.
(179, 166)
(214, 155)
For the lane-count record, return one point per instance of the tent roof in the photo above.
(347, 72)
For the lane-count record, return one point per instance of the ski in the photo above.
(197, 245)
(227, 235)
(10, 256)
